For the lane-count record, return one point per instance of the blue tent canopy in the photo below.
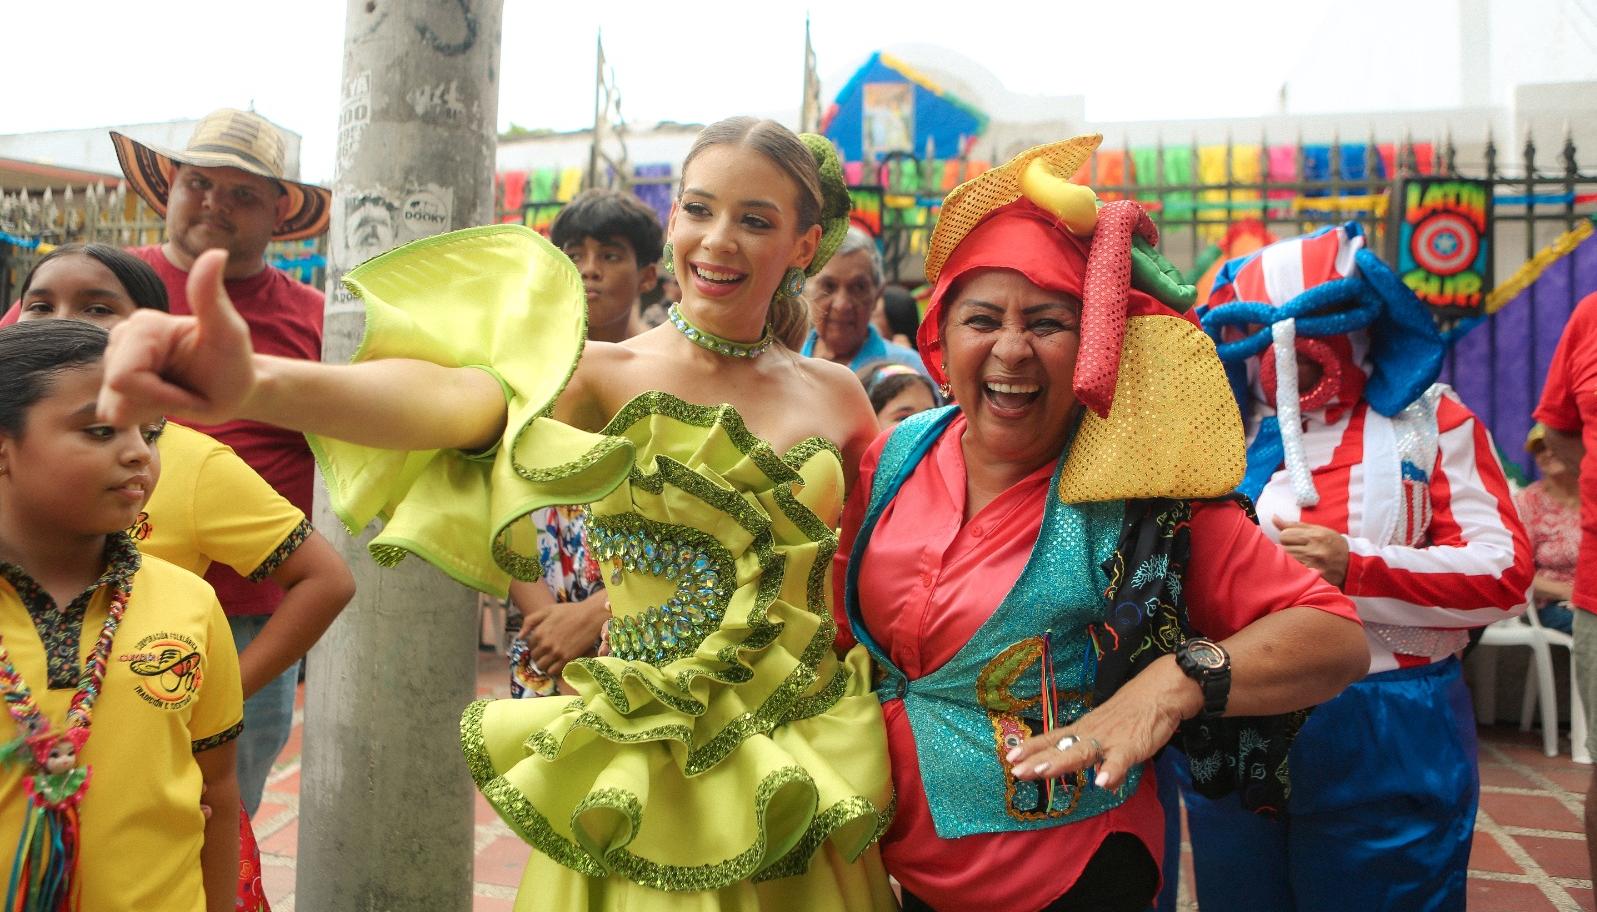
(887, 106)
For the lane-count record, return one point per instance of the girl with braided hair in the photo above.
(722, 756)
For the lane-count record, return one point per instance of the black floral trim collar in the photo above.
(60, 630)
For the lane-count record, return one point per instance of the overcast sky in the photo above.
(80, 63)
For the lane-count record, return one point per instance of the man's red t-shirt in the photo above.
(1569, 404)
(285, 318)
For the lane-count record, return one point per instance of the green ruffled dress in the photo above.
(723, 757)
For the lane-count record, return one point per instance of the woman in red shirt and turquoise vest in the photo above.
(1049, 573)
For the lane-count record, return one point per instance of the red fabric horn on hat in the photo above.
(1104, 301)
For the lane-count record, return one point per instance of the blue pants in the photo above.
(1385, 784)
(1170, 773)
(268, 718)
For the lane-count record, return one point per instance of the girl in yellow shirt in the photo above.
(118, 670)
(210, 505)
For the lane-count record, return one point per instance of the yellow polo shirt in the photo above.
(209, 505)
(171, 688)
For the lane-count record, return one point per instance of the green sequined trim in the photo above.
(519, 566)
(658, 402)
(577, 466)
(826, 542)
(473, 744)
(547, 746)
(780, 469)
(783, 700)
(773, 712)
(218, 739)
(281, 553)
(797, 861)
(801, 452)
(535, 828)
(824, 699)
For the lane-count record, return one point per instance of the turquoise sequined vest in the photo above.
(969, 713)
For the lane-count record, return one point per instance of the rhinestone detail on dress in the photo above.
(702, 571)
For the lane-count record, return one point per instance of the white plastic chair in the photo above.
(1539, 680)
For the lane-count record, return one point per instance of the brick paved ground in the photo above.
(1529, 854)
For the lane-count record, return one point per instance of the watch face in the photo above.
(1206, 655)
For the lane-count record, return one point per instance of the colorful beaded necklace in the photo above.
(708, 340)
(44, 870)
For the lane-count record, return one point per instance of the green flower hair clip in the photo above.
(835, 201)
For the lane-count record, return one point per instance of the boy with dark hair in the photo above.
(616, 240)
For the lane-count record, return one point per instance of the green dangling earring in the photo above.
(792, 283)
(670, 255)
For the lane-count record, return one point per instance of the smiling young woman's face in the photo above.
(76, 287)
(1010, 354)
(735, 230)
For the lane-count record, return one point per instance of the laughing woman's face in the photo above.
(1010, 354)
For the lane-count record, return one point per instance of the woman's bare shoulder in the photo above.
(842, 406)
(607, 352)
(831, 374)
(583, 403)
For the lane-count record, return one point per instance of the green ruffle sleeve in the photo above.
(503, 299)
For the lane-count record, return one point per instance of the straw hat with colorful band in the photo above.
(227, 139)
(1161, 421)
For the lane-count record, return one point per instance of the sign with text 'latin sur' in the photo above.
(1443, 231)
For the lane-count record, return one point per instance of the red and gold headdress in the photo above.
(1161, 419)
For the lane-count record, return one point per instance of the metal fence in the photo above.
(1201, 196)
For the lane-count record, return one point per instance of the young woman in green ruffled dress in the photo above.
(723, 756)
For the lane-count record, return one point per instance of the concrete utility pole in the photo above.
(385, 798)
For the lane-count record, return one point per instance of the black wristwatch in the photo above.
(1207, 662)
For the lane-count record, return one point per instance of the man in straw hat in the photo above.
(228, 190)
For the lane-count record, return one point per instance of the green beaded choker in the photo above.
(715, 343)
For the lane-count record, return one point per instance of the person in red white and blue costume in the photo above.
(1368, 471)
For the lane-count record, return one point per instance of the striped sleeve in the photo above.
(1477, 566)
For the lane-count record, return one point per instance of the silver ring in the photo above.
(1097, 749)
(1066, 743)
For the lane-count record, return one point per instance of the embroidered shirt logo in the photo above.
(169, 669)
(141, 528)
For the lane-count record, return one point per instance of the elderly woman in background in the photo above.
(842, 297)
(1032, 569)
(1550, 507)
